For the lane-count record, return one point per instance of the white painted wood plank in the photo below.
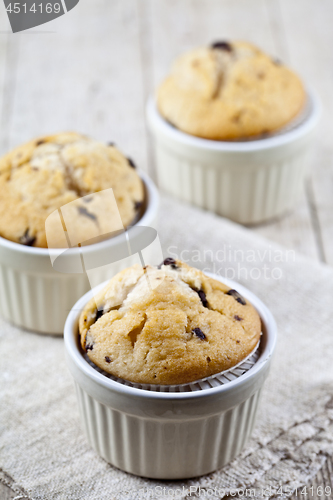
(85, 76)
(8, 65)
(310, 40)
(294, 230)
(6, 493)
(179, 26)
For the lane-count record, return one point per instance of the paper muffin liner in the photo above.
(215, 380)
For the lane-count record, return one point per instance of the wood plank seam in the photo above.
(146, 55)
(315, 219)
(9, 87)
(279, 34)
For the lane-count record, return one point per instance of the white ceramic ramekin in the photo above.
(246, 181)
(168, 435)
(36, 296)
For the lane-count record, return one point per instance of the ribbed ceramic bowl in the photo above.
(37, 297)
(168, 435)
(246, 181)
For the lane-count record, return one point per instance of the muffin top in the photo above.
(229, 91)
(167, 325)
(41, 176)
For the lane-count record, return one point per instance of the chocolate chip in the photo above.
(111, 144)
(208, 359)
(40, 141)
(238, 318)
(137, 205)
(169, 261)
(27, 240)
(199, 333)
(238, 341)
(89, 347)
(237, 297)
(203, 299)
(131, 162)
(98, 314)
(86, 213)
(222, 46)
(107, 359)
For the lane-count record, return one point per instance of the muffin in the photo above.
(39, 177)
(167, 325)
(229, 91)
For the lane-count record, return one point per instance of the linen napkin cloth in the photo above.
(44, 454)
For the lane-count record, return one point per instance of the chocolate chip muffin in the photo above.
(45, 174)
(229, 91)
(167, 325)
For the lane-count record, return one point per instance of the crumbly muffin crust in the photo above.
(167, 325)
(41, 176)
(229, 91)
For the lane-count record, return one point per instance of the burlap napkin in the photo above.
(44, 454)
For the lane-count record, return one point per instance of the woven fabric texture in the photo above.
(42, 447)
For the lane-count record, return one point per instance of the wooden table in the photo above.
(93, 69)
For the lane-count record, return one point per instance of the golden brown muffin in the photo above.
(45, 174)
(229, 91)
(167, 325)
